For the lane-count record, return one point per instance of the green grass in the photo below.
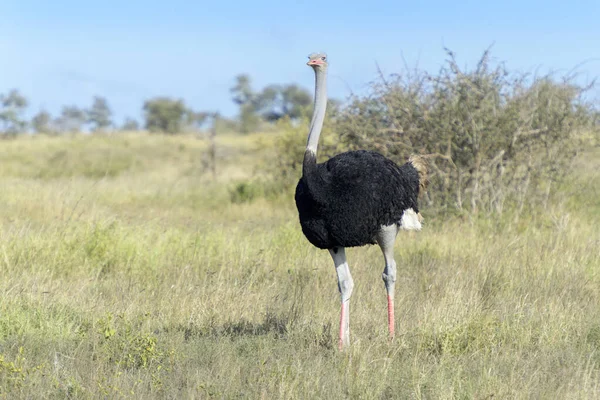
(127, 272)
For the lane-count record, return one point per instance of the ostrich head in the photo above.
(318, 61)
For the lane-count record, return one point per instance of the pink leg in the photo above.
(342, 316)
(386, 238)
(391, 315)
(344, 325)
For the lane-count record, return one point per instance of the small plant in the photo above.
(13, 374)
(245, 192)
(127, 345)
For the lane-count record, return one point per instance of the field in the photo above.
(128, 272)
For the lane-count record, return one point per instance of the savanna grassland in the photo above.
(128, 272)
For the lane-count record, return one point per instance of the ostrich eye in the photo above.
(323, 58)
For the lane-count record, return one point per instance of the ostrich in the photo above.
(354, 199)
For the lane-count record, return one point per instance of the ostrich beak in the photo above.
(315, 62)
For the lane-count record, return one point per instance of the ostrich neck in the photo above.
(316, 124)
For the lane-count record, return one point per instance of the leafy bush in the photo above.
(492, 136)
(244, 192)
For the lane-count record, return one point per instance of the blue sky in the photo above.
(64, 52)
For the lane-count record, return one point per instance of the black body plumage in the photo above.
(346, 200)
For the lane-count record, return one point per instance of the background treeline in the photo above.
(496, 139)
(257, 109)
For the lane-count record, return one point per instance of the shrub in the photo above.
(245, 192)
(492, 136)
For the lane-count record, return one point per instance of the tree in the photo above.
(271, 104)
(130, 124)
(242, 91)
(246, 99)
(196, 119)
(290, 101)
(41, 122)
(265, 103)
(13, 105)
(248, 118)
(99, 115)
(71, 119)
(295, 101)
(164, 114)
(495, 138)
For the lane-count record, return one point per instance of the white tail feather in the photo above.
(410, 221)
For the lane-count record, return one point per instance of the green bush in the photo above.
(245, 192)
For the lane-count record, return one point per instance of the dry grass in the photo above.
(145, 281)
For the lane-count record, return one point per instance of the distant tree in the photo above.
(164, 115)
(249, 120)
(12, 107)
(100, 114)
(242, 91)
(265, 102)
(130, 124)
(197, 119)
(277, 102)
(210, 162)
(295, 101)
(271, 104)
(71, 119)
(244, 96)
(42, 122)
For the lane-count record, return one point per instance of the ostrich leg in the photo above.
(385, 239)
(345, 285)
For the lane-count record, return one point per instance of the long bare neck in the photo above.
(316, 124)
